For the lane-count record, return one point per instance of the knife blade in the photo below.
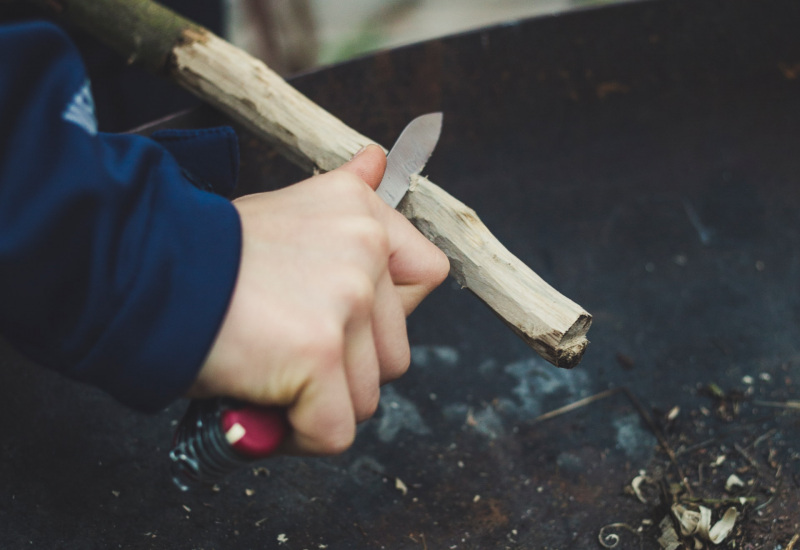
(408, 156)
(218, 436)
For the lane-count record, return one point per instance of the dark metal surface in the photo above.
(644, 160)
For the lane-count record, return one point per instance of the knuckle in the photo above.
(347, 185)
(321, 344)
(337, 441)
(379, 239)
(369, 405)
(368, 233)
(400, 365)
(357, 290)
(439, 268)
(442, 266)
(404, 362)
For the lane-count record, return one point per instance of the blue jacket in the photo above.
(114, 268)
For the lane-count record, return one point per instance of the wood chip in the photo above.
(400, 486)
(636, 485)
(724, 526)
(669, 539)
(697, 523)
(733, 482)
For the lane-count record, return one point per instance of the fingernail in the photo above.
(364, 148)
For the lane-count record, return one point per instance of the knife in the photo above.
(218, 436)
(408, 156)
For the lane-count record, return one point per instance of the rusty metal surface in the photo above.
(643, 159)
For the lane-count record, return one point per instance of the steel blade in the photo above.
(408, 156)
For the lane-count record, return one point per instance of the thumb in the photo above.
(368, 164)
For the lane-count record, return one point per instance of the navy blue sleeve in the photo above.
(114, 269)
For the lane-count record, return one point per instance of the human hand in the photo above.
(316, 323)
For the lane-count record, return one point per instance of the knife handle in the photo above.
(218, 436)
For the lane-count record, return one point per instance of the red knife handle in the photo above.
(254, 432)
(218, 436)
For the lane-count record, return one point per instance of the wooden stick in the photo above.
(575, 405)
(255, 96)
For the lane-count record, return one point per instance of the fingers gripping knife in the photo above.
(218, 436)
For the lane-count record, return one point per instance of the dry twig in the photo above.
(577, 405)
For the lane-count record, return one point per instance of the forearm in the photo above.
(114, 269)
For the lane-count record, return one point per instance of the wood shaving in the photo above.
(724, 526)
(673, 413)
(697, 523)
(608, 539)
(636, 485)
(733, 482)
(669, 539)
